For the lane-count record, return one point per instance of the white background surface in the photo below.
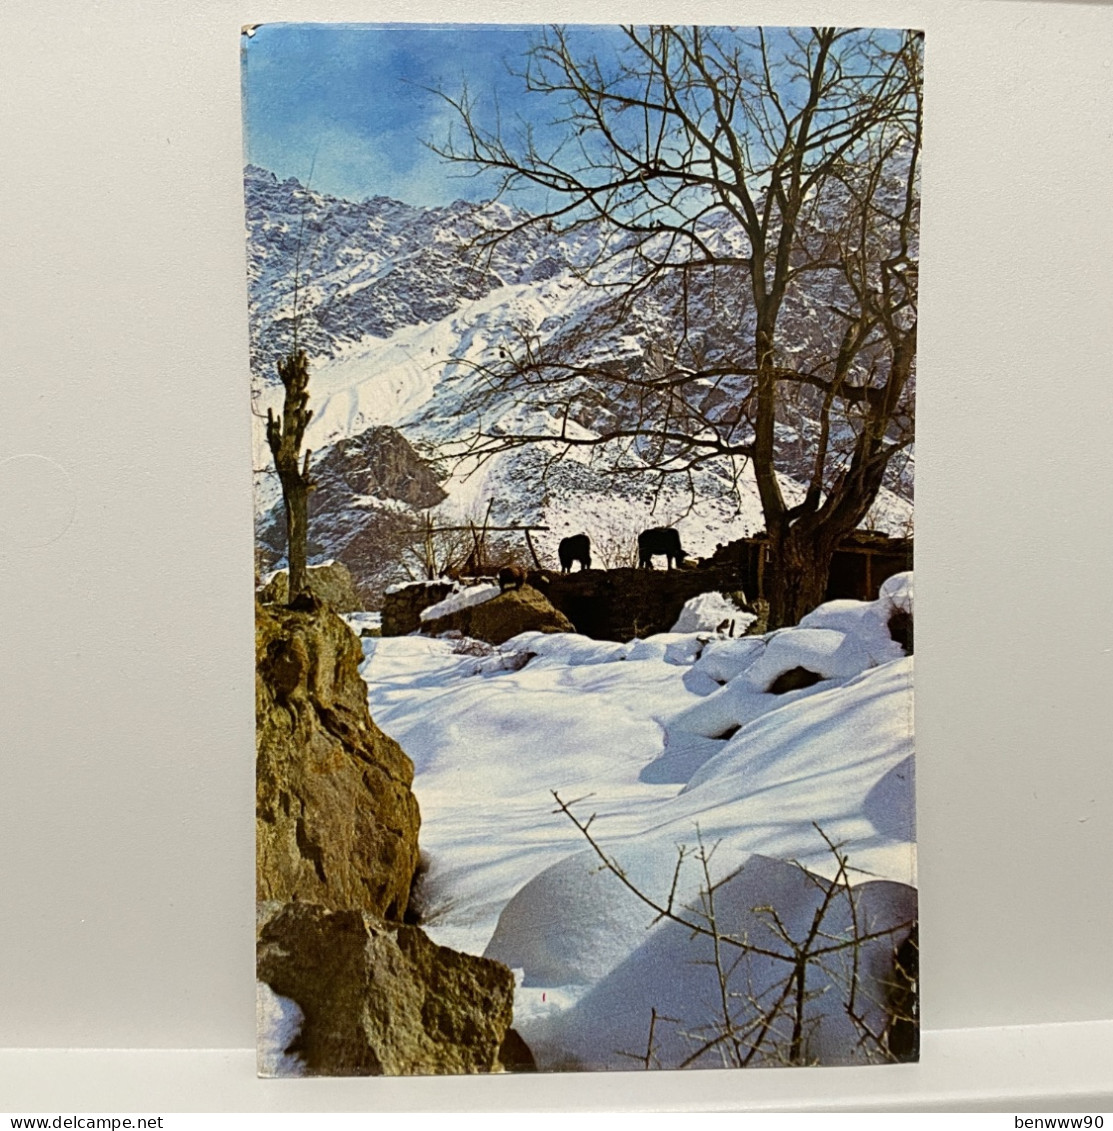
(126, 722)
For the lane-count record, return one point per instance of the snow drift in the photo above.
(781, 804)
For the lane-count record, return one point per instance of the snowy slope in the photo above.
(399, 312)
(493, 732)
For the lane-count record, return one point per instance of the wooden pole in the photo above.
(532, 551)
(491, 529)
(430, 560)
(486, 525)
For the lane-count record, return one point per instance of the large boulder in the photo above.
(502, 617)
(382, 998)
(332, 583)
(336, 823)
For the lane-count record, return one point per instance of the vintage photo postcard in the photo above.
(583, 366)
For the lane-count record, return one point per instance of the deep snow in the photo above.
(674, 740)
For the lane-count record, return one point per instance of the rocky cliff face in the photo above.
(336, 822)
(336, 854)
(402, 607)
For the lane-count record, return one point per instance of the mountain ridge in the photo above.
(404, 312)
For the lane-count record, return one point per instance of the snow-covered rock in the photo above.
(765, 907)
(462, 599)
(708, 611)
(495, 617)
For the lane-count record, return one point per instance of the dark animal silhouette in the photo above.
(659, 540)
(577, 548)
(511, 577)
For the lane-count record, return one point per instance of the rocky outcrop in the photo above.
(504, 616)
(336, 823)
(332, 583)
(381, 997)
(336, 854)
(379, 462)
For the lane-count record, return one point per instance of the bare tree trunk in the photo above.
(295, 490)
(797, 583)
(285, 437)
(820, 180)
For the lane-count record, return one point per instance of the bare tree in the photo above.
(285, 439)
(764, 188)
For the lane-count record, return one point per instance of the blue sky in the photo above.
(349, 105)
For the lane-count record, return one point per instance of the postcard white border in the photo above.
(127, 775)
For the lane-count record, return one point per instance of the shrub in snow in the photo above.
(718, 983)
(831, 646)
(330, 581)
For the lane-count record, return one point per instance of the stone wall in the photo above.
(605, 604)
(402, 607)
(621, 604)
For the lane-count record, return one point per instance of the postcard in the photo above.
(583, 367)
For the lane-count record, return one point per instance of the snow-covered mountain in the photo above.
(402, 311)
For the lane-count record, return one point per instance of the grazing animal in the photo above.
(576, 548)
(511, 577)
(659, 540)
